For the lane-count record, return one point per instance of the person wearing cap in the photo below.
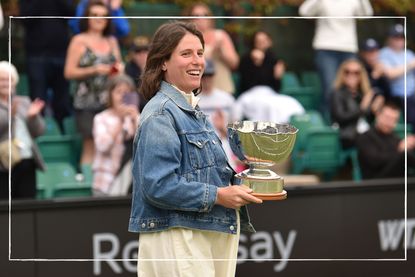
(136, 62)
(369, 56)
(218, 106)
(393, 56)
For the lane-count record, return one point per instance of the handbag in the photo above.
(5, 154)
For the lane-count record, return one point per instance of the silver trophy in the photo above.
(261, 145)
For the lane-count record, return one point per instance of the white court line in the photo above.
(221, 17)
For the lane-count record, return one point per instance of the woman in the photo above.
(26, 124)
(260, 66)
(183, 204)
(92, 56)
(113, 129)
(353, 102)
(219, 47)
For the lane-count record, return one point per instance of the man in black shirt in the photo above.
(381, 152)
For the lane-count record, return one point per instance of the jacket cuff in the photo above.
(209, 198)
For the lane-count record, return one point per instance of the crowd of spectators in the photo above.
(106, 104)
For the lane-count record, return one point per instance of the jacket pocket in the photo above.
(200, 153)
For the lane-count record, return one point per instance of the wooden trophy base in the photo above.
(271, 196)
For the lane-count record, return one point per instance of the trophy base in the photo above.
(269, 196)
(266, 188)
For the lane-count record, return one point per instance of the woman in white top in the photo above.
(218, 47)
(335, 39)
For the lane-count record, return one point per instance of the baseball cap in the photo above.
(369, 44)
(140, 43)
(396, 30)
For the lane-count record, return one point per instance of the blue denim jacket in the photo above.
(178, 165)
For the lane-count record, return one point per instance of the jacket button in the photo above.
(199, 143)
(152, 225)
(143, 225)
(214, 141)
(232, 228)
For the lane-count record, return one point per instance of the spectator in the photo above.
(137, 62)
(353, 102)
(260, 65)
(122, 27)
(113, 131)
(27, 124)
(369, 55)
(93, 55)
(381, 151)
(392, 57)
(45, 44)
(218, 106)
(1, 18)
(218, 47)
(335, 39)
(262, 103)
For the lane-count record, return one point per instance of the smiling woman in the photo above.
(183, 205)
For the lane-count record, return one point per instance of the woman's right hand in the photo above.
(234, 197)
(102, 69)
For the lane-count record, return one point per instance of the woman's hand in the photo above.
(102, 69)
(35, 107)
(234, 197)
(257, 57)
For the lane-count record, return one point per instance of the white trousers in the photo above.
(180, 252)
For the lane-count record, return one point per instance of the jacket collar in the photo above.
(176, 96)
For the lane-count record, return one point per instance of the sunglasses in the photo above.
(201, 14)
(97, 14)
(352, 72)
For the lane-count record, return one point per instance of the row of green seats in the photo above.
(57, 147)
(61, 180)
(307, 91)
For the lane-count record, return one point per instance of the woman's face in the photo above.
(203, 24)
(351, 75)
(118, 93)
(97, 24)
(262, 41)
(185, 67)
(4, 84)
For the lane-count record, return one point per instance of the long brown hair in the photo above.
(165, 40)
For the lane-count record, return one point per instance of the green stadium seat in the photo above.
(58, 149)
(303, 122)
(72, 189)
(58, 172)
(52, 128)
(304, 95)
(400, 129)
(69, 126)
(23, 85)
(59, 180)
(86, 170)
(311, 79)
(321, 152)
(289, 81)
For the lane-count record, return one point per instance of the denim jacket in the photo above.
(178, 165)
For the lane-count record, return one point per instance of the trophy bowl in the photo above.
(261, 145)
